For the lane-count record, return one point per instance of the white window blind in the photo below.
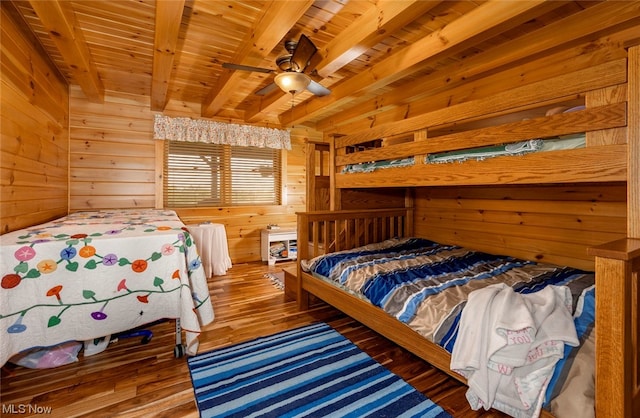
(201, 174)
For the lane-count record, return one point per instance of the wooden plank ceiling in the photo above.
(374, 55)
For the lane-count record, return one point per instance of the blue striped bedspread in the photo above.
(425, 284)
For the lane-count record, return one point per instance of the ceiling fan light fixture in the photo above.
(292, 82)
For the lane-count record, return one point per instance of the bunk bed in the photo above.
(608, 120)
(99, 273)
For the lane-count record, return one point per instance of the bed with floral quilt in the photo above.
(99, 273)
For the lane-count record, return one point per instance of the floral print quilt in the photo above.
(92, 274)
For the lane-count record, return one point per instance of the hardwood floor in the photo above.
(134, 380)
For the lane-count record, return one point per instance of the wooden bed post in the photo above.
(617, 357)
(335, 195)
(303, 254)
(633, 143)
(618, 284)
(409, 203)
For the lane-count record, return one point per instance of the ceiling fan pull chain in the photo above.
(292, 104)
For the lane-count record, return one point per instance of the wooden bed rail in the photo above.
(592, 119)
(330, 231)
(617, 328)
(542, 94)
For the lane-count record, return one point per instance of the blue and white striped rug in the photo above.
(311, 371)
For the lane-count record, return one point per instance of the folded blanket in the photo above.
(375, 165)
(481, 153)
(508, 344)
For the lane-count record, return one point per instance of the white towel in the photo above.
(508, 344)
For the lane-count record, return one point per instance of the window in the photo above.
(201, 174)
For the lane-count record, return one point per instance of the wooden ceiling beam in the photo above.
(168, 19)
(487, 20)
(369, 29)
(573, 28)
(266, 104)
(366, 31)
(277, 19)
(59, 20)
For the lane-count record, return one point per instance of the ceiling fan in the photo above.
(292, 79)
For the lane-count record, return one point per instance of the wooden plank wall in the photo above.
(35, 136)
(390, 197)
(547, 223)
(112, 152)
(115, 163)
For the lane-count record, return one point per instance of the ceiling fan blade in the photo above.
(318, 89)
(230, 66)
(267, 89)
(302, 54)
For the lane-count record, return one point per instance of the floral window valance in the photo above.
(200, 130)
